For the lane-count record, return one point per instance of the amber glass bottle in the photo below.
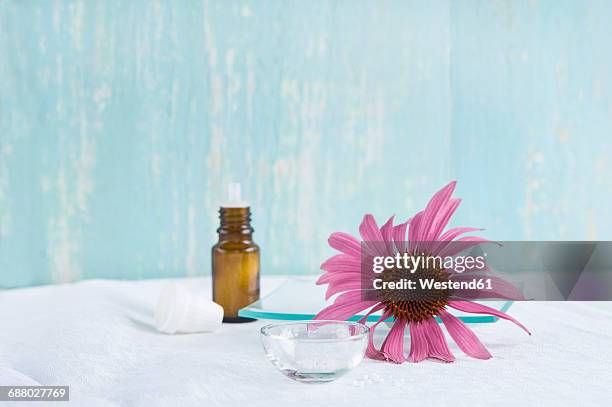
(235, 263)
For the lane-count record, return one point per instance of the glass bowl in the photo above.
(315, 351)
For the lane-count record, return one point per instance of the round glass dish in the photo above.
(315, 351)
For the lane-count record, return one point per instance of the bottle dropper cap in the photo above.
(180, 310)
(234, 196)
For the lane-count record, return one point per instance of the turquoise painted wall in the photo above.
(121, 122)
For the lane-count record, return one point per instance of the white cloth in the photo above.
(97, 337)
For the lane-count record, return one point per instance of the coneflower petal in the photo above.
(343, 284)
(345, 243)
(399, 236)
(427, 341)
(345, 306)
(393, 346)
(372, 310)
(442, 219)
(432, 210)
(386, 232)
(438, 348)
(467, 341)
(369, 229)
(456, 232)
(342, 262)
(414, 231)
(448, 236)
(334, 277)
(419, 347)
(476, 308)
(371, 350)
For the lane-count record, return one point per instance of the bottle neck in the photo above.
(235, 224)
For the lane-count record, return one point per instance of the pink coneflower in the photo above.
(343, 276)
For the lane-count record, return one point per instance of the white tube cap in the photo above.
(180, 311)
(234, 196)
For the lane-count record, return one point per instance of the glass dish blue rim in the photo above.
(250, 313)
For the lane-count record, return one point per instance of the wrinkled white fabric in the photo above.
(98, 337)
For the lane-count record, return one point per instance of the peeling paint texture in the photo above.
(121, 122)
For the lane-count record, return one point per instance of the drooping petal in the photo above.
(467, 341)
(476, 308)
(419, 348)
(427, 341)
(393, 346)
(438, 348)
(345, 306)
(374, 309)
(371, 350)
(345, 243)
